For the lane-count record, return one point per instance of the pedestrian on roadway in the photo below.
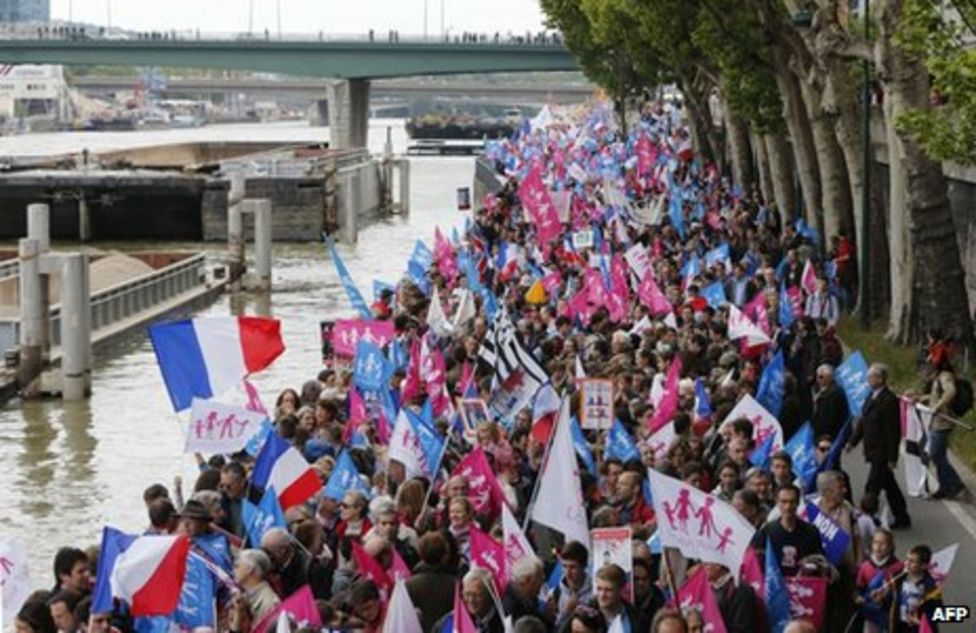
(880, 428)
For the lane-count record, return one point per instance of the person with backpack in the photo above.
(942, 398)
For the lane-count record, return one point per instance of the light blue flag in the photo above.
(197, 606)
(718, 254)
(431, 443)
(714, 293)
(260, 518)
(655, 543)
(852, 376)
(581, 447)
(703, 406)
(786, 317)
(256, 443)
(555, 576)
(801, 450)
(691, 268)
(675, 212)
(771, 384)
(397, 355)
(371, 370)
(760, 457)
(777, 597)
(619, 444)
(355, 298)
(422, 255)
(344, 478)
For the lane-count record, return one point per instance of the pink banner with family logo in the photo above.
(348, 332)
(488, 554)
(483, 490)
(697, 594)
(808, 599)
(537, 201)
(698, 524)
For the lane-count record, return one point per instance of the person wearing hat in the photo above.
(195, 519)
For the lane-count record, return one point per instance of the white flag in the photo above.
(639, 259)
(220, 429)
(763, 422)
(284, 624)
(559, 499)
(562, 201)
(671, 321)
(405, 447)
(580, 372)
(740, 325)
(436, 318)
(698, 524)
(465, 310)
(14, 576)
(650, 214)
(942, 561)
(660, 442)
(401, 615)
(516, 545)
(917, 419)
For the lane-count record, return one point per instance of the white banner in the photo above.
(698, 524)
(220, 429)
(14, 577)
(763, 422)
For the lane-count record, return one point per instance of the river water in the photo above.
(67, 469)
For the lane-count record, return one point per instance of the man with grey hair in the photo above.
(829, 404)
(476, 595)
(251, 573)
(521, 597)
(289, 561)
(880, 428)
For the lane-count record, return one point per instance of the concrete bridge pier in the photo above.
(33, 324)
(76, 340)
(348, 113)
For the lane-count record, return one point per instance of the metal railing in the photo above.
(9, 267)
(281, 164)
(121, 301)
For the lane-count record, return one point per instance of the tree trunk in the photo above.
(835, 190)
(762, 165)
(781, 174)
(801, 139)
(880, 277)
(900, 268)
(939, 298)
(737, 134)
(700, 120)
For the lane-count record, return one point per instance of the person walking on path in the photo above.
(879, 427)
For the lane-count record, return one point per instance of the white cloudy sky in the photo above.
(308, 16)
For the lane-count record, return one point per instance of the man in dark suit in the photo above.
(879, 426)
(829, 404)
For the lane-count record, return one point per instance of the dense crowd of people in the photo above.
(654, 255)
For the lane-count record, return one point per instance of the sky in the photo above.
(308, 16)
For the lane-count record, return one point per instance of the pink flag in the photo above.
(795, 296)
(593, 281)
(433, 372)
(462, 619)
(411, 386)
(488, 554)
(347, 332)
(668, 405)
(552, 281)
(483, 490)
(370, 568)
(809, 278)
(467, 376)
(620, 277)
(752, 573)
(697, 594)
(924, 626)
(651, 296)
(357, 415)
(517, 546)
(300, 605)
(538, 203)
(253, 399)
(646, 155)
(383, 430)
(399, 569)
(808, 599)
(444, 256)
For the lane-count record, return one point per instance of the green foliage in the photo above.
(946, 132)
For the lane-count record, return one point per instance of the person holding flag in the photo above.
(916, 593)
(875, 576)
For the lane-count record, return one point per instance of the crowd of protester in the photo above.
(426, 525)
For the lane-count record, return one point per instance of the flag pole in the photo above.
(935, 414)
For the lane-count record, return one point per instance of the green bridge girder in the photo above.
(337, 59)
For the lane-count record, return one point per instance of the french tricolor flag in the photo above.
(280, 466)
(207, 357)
(149, 574)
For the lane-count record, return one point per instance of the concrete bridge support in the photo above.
(348, 109)
(261, 210)
(76, 340)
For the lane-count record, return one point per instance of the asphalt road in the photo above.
(937, 524)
